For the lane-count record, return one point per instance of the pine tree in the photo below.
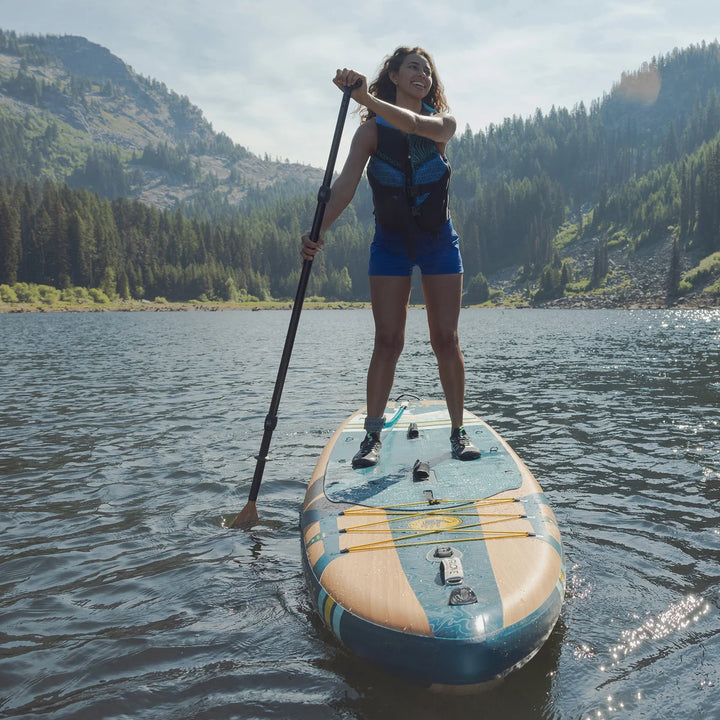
(478, 290)
(10, 242)
(674, 273)
(600, 265)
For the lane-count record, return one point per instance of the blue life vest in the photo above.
(410, 180)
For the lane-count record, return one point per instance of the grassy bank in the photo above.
(44, 299)
(30, 297)
(164, 306)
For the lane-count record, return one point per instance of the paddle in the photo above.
(248, 515)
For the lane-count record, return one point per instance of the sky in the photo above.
(261, 70)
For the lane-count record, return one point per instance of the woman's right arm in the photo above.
(364, 144)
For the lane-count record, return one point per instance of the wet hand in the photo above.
(309, 248)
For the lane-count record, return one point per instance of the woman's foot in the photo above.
(462, 446)
(369, 452)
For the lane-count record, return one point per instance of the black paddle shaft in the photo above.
(323, 198)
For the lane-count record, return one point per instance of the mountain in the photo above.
(80, 115)
(636, 169)
(613, 204)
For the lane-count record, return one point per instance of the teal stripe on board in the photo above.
(337, 615)
(538, 521)
(331, 544)
(424, 578)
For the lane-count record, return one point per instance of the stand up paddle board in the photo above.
(446, 573)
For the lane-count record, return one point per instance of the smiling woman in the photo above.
(406, 127)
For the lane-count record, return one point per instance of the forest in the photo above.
(643, 163)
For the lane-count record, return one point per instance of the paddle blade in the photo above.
(247, 518)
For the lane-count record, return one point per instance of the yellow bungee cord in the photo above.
(398, 513)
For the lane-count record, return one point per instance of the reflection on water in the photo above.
(125, 439)
(676, 618)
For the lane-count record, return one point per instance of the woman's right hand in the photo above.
(350, 78)
(309, 248)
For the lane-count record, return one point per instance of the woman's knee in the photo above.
(445, 343)
(389, 344)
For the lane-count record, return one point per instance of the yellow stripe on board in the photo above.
(327, 609)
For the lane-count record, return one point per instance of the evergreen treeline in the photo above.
(623, 135)
(685, 194)
(513, 182)
(53, 235)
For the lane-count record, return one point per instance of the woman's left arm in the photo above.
(439, 128)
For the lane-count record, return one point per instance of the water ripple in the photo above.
(125, 440)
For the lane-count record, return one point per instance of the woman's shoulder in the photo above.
(369, 125)
(367, 134)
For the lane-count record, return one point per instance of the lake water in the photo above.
(126, 438)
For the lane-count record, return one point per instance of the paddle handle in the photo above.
(322, 201)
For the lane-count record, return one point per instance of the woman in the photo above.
(405, 129)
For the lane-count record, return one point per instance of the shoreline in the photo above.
(566, 303)
(151, 306)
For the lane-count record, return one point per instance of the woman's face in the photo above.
(414, 76)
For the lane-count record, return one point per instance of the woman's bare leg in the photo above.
(443, 298)
(390, 296)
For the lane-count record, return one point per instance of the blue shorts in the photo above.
(439, 255)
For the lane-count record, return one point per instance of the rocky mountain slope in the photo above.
(94, 100)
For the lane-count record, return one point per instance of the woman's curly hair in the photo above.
(384, 88)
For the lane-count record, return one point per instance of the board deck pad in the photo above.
(390, 482)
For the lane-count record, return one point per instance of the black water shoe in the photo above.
(369, 451)
(462, 446)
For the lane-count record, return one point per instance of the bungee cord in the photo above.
(408, 512)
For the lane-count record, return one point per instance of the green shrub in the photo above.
(713, 289)
(27, 293)
(98, 296)
(75, 296)
(684, 287)
(708, 269)
(244, 296)
(565, 235)
(7, 294)
(618, 239)
(478, 290)
(49, 295)
(577, 287)
(82, 295)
